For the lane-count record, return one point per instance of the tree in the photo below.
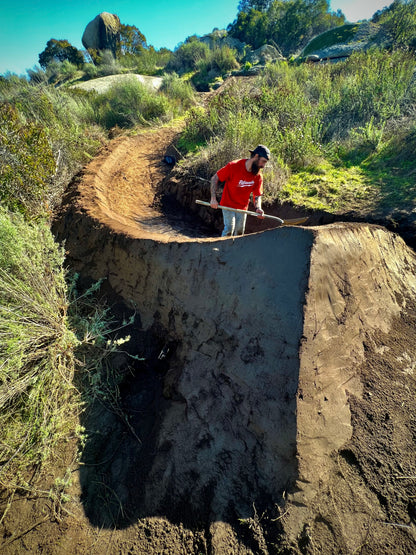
(399, 20)
(258, 5)
(290, 24)
(251, 28)
(132, 41)
(58, 51)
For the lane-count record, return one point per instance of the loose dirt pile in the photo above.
(274, 412)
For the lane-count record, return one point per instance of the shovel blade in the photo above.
(296, 221)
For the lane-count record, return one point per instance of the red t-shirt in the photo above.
(239, 184)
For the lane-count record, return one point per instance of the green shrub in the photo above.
(48, 136)
(372, 85)
(51, 336)
(27, 165)
(107, 64)
(129, 104)
(215, 63)
(37, 398)
(90, 71)
(148, 62)
(201, 125)
(178, 90)
(399, 22)
(186, 57)
(220, 60)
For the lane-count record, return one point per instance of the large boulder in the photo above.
(102, 33)
(219, 38)
(363, 36)
(264, 54)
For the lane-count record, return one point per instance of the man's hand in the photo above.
(260, 213)
(214, 203)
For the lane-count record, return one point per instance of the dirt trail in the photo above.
(119, 187)
(274, 411)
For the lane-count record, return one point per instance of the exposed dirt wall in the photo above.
(234, 310)
(272, 332)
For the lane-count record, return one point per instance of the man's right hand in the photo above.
(214, 203)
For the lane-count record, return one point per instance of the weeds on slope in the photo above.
(55, 357)
(332, 129)
(38, 401)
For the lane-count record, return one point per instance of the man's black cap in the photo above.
(262, 151)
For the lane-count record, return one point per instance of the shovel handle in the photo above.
(248, 212)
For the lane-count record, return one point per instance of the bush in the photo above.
(37, 76)
(221, 60)
(37, 398)
(46, 137)
(27, 164)
(148, 62)
(129, 104)
(399, 22)
(107, 64)
(186, 57)
(372, 86)
(216, 63)
(50, 337)
(90, 71)
(178, 90)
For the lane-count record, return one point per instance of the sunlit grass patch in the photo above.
(328, 188)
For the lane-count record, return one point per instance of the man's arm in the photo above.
(214, 185)
(257, 205)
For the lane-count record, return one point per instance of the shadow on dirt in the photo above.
(201, 435)
(124, 445)
(121, 423)
(173, 219)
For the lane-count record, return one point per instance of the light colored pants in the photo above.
(234, 223)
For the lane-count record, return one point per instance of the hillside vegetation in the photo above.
(342, 138)
(341, 135)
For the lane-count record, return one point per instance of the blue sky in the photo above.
(27, 25)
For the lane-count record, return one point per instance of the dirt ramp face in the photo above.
(290, 347)
(224, 437)
(227, 439)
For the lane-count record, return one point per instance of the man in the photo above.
(241, 178)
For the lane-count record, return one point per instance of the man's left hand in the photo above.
(260, 213)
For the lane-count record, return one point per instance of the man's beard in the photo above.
(255, 168)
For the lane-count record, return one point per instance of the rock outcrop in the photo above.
(368, 35)
(102, 33)
(264, 54)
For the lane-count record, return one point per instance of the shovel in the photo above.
(295, 221)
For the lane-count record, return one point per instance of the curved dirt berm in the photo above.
(286, 414)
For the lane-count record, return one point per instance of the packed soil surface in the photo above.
(273, 409)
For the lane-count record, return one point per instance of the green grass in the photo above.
(339, 35)
(328, 188)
